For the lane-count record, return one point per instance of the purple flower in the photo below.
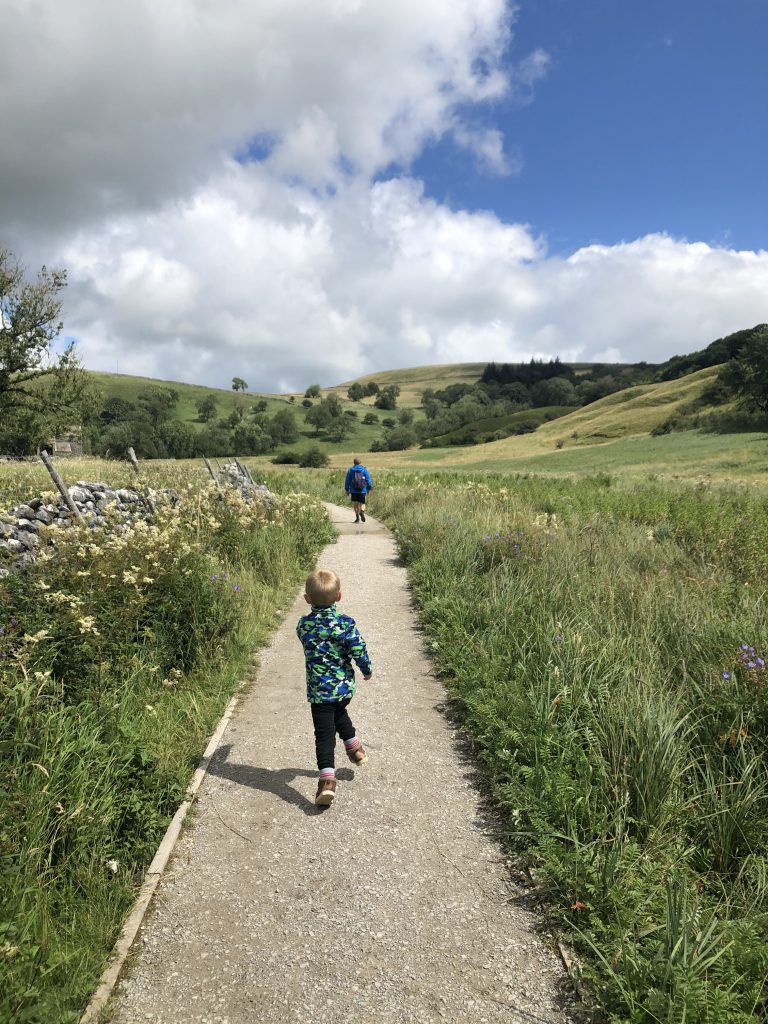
(726, 675)
(236, 587)
(559, 638)
(14, 622)
(744, 647)
(750, 664)
(761, 662)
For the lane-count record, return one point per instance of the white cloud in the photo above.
(315, 256)
(106, 106)
(284, 287)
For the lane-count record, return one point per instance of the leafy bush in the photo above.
(287, 459)
(313, 458)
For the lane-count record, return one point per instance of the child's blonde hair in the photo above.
(323, 586)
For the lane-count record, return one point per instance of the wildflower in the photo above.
(113, 866)
(726, 675)
(578, 905)
(559, 638)
(88, 625)
(236, 588)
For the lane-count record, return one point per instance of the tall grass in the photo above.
(604, 646)
(117, 656)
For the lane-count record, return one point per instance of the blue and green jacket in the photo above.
(331, 641)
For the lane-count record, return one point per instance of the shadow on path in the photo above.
(270, 780)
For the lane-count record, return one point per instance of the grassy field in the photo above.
(604, 646)
(120, 385)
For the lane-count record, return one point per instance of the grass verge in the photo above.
(605, 646)
(117, 657)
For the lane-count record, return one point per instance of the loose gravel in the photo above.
(393, 906)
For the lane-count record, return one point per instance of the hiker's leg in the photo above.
(342, 722)
(323, 718)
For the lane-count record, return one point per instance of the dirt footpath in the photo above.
(393, 906)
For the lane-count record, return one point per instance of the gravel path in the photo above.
(393, 906)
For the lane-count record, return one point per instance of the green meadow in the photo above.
(603, 645)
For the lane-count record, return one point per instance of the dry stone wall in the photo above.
(28, 525)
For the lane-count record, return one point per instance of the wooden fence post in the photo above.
(245, 471)
(61, 488)
(145, 489)
(213, 475)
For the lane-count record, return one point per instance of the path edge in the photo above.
(130, 929)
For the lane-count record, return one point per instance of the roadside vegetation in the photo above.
(117, 657)
(605, 648)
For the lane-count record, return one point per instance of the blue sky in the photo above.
(293, 191)
(652, 117)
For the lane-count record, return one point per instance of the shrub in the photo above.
(313, 458)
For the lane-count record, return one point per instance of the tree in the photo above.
(370, 418)
(157, 403)
(405, 417)
(748, 375)
(371, 388)
(317, 416)
(251, 439)
(338, 428)
(117, 409)
(313, 458)
(327, 414)
(555, 391)
(206, 408)
(400, 438)
(180, 440)
(238, 384)
(355, 392)
(387, 397)
(40, 391)
(313, 391)
(282, 427)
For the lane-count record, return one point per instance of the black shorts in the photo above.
(357, 498)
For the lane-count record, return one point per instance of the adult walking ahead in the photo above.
(357, 484)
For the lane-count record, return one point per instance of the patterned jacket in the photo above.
(330, 642)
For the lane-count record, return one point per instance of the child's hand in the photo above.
(368, 676)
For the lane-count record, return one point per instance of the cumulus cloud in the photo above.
(106, 107)
(286, 287)
(229, 187)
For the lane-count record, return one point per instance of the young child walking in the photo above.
(331, 641)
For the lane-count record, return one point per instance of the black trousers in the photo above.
(329, 719)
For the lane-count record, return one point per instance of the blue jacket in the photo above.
(348, 481)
